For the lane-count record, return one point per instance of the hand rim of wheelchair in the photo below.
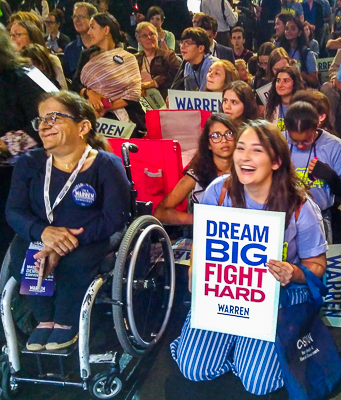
(147, 224)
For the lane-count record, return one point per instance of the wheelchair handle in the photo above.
(126, 149)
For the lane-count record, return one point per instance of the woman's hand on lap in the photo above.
(61, 240)
(281, 270)
(52, 260)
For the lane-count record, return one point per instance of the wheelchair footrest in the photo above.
(107, 358)
(63, 352)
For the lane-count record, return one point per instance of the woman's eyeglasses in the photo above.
(49, 119)
(217, 137)
(147, 35)
(262, 64)
(17, 35)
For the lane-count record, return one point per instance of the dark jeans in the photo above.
(73, 275)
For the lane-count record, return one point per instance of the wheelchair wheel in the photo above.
(99, 388)
(144, 280)
(9, 388)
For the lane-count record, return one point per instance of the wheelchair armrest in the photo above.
(144, 208)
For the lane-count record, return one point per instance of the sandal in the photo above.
(38, 339)
(61, 338)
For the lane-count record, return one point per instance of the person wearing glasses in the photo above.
(55, 40)
(195, 48)
(82, 13)
(316, 155)
(286, 83)
(63, 195)
(239, 102)
(157, 66)
(213, 158)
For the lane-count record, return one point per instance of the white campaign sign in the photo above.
(232, 290)
(263, 93)
(193, 100)
(323, 65)
(112, 128)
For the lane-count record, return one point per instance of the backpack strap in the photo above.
(223, 193)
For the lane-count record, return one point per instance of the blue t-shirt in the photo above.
(311, 65)
(293, 8)
(196, 79)
(327, 148)
(303, 238)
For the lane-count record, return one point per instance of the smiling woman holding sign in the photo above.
(70, 198)
(262, 178)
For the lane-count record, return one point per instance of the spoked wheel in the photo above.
(144, 282)
(8, 386)
(101, 388)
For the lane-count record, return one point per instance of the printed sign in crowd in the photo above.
(232, 289)
(323, 65)
(112, 128)
(187, 100)
(152, 100)
(263, 93)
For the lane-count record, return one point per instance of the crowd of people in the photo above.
(279, 152)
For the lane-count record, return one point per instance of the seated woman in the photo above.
(71, 196)
(244, 74)
(274, 186)
(219, 75)
(316, 156)
(294, 43)
(108, 76)
(157, 66)
(212, 159)
(166, 39)
(278, 58)
(286, 83)
(312, 43)
(239, 102)
(24, 33)
(40, 58)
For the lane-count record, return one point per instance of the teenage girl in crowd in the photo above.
(280, 22)
(213, 158)
(312, 43)
(239, 102)
(321, 103)
(262, 178)
(244, 74)
(287, 82)
(220, 74)
(295, 44)
(278, 59)
(310, 145)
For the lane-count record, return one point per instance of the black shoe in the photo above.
(61, 338)
(38, 339)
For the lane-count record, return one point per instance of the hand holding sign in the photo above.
(281, 270)
(47, 260)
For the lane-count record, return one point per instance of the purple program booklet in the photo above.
(30, 277)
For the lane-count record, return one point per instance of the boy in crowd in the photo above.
(216, 50)
(238, 41)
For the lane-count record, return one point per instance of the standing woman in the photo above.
(108, 76)
(219, 75)
(295, 44)
(312, 43)
(262, 178)
(213, 158)
(286, 83)
(157, 66)
(280, 22)
(239, 102)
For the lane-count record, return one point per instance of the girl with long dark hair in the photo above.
(213, 158)
(286, 83)
(262, 178)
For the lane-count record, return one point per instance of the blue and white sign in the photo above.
(232, 289)
(84, 194)
(187, 100)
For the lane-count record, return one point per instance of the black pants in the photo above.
(73, 275)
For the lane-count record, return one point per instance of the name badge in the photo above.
(84, 194)
(30, 277)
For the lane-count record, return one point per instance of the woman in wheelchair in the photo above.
(71, 196)
(213, 158)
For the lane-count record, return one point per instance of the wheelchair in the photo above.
(140, 283)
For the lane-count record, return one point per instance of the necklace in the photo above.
(145, 61)
(70, 165)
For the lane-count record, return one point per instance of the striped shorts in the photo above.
(204, 355)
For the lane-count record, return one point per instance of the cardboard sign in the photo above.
(323, 65)
(263, 93)
(40, 79)
(112, 128)
(152, 101)
(187, 100)
(232, 290)
(331, 310)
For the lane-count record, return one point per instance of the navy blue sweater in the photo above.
(25, 210)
